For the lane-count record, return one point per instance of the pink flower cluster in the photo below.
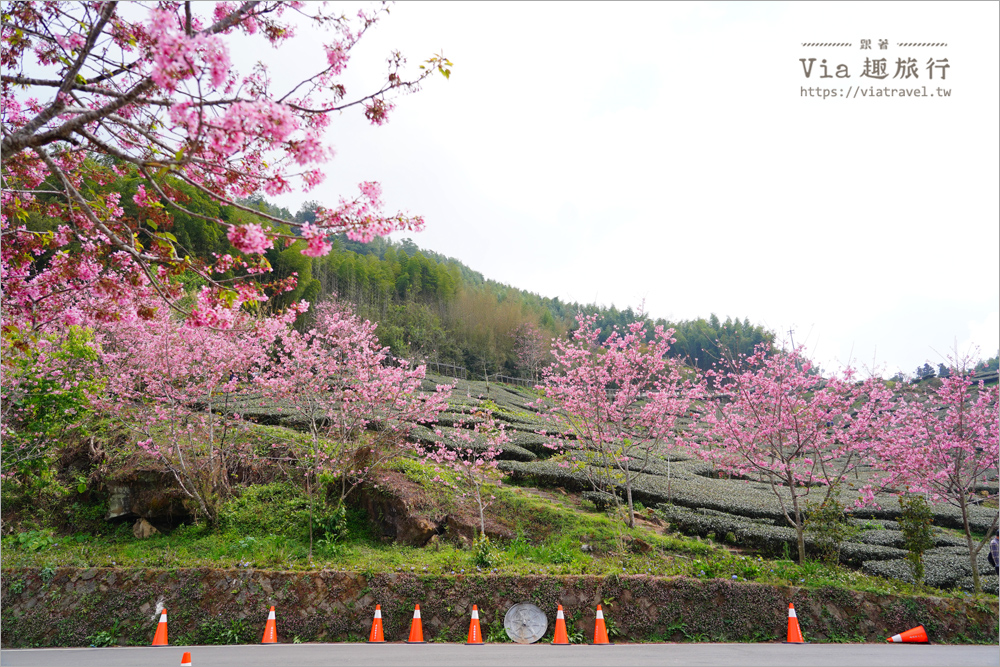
(249, 238)
(317, 245)
(177, 119)
(143, 199)
(362, 218)
(179, 56)
(337, 56)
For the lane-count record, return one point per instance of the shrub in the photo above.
(217, 631)
(943, 568)
(483, 553)
(602, 501)
(104, 638)
(828, 527)
(35, 540)
(280, 508)
(916, 522)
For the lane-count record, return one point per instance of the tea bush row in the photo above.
(894, 538)
(509, 451)
(689, 487)
(941, 570)
(764, 536)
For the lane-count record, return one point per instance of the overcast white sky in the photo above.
(618, 153)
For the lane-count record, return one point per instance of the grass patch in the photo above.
(553, 537)
(266, 524)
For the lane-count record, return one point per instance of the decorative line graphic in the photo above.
(849, 44)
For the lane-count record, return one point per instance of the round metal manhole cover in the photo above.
(525, 623)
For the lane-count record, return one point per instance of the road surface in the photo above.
(625, 655)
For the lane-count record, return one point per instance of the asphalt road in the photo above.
(625, 655)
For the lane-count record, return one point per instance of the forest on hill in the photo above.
(428, 307)
(431, 307)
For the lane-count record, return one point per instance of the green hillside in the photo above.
(96, 500)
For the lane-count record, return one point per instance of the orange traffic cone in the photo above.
(270, 630)
(186, 659)
(475, 633)
(560, 637)
(794, 633)
(160, 638)
(416, 628)
(600, 632)
(915, 636)
(376, 636)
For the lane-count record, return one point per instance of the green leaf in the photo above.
(228, 297)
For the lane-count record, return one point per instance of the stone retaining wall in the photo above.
(68, 607)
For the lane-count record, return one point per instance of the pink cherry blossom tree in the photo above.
(95, 91)
(472, 454)
(777, 422)
(358, 404)
(620, 401)
(945, 444)
(94, 94)
(170, 385)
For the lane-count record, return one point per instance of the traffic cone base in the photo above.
(376, 636)
(270, 629)
(560, 637)
(794, 632)
(475, 632)
(600, 630)
(160, 638)
(416, 628)
(915, 635)
(186, 659)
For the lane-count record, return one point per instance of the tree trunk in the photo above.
(482, 517)
(799, 531)
(313, 462)
(976, 585)
(309, 492)
(631, 509)
(211, 442)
